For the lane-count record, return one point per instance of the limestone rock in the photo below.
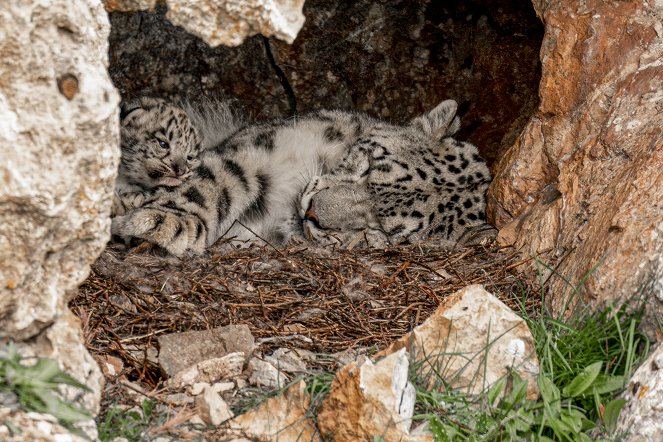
(128, 5)
(281, 418)
(370, 399)
(62, 341)
(642, 416)
(264, 374)
(59, 139)
(584, 179)
(178, 351)
(230, 22)
(472, 340)
(211, 408)
(60, 146)
(210, 371)
(227, 22)
(33, 427)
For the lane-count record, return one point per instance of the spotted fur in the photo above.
(161, 143)
(400, 184)
(318, 175)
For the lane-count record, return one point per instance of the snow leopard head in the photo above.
(160, 145)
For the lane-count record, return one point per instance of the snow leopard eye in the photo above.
(163, 144)
(190, 158)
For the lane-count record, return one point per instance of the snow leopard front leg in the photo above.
(175, 233)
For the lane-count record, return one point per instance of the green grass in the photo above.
(35, 387)
(131, 424)
(585, 361)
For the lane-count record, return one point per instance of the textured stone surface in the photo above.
(59, 156)
(394, 59)
(230, 22)
(60, 147)
(471, 340)
(178, 351)
(229, 366)
(226, 22)
(283, 418)
(211, 408)
(584, 181)
(642, 416)
(368, 399)
(34, 427)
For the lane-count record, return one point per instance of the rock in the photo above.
(211, 408)
(53, 214)
(583, 180)
(198, 387)
(287, 360)
(222, 387)
(33, 427)
(227, 22)
(211, 370)
(178, 351)
(283, 418)
(59, 140)
(62, 342)
(642, 416)
(264, 374)
(455, 337)
(128, 5)
(371, 399)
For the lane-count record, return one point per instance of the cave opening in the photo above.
(392, 59)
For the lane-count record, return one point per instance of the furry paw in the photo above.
(176, 234)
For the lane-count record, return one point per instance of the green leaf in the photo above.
(611, 414)
(607, 384)
(550, 395)
(561, 429)
(148, 407)
(496, 390)
(583, 381)
(573, 420)
(441, 432)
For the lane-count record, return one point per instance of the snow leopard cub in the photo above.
(161, 143)
(261, 180)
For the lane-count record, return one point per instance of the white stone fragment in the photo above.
(264, 374)
(211, 370)
(212, 409)
(230, 22)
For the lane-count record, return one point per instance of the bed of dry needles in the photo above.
(321, 299)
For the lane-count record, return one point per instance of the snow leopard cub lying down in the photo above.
(319, 176)
(160, 145)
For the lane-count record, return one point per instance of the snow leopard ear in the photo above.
(440, 122)
(128, 107)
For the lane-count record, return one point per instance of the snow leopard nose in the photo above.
(310, 214)
(179, 167)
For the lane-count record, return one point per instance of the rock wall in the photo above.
(59, 140)
(393, 59)
(583, 183)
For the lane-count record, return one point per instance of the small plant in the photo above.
(585, 360)
(130, 425)
(35, 387)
